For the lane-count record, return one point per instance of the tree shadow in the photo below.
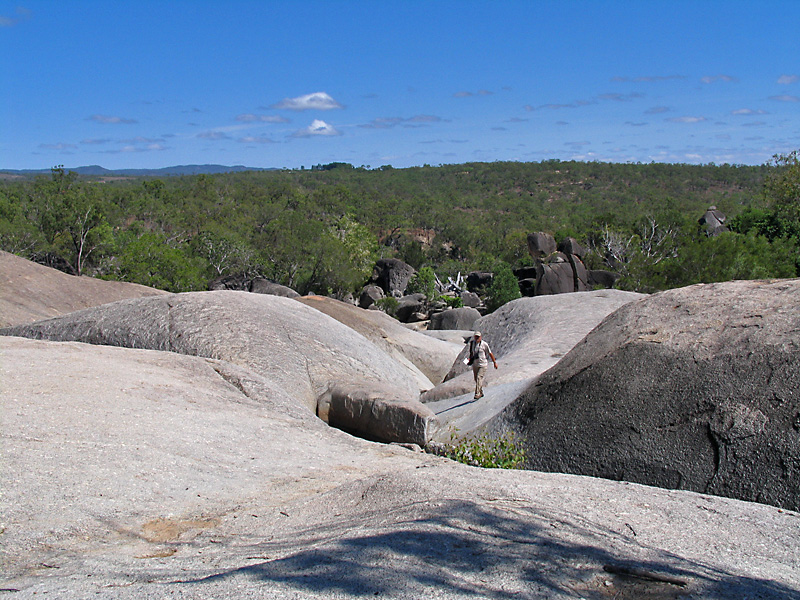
(463, 549)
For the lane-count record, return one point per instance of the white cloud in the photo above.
(214, 135)
(22, 14)
(60, 146)
(687, 119)
(657, 110)
(260, 139)
(646, 79)
(317, 128)
(716, 78)
(250, 118)
(787, 79)
(748, 112)
(785, 98)
(315, 101)
(111, 120)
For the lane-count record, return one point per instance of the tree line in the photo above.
(321, 230)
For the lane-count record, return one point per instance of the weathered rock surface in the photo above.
(411, 348)
(30, 292)
(370, 295)
(134, 474)
(541, 244)
(260, 285)
(392, 276)
(301, 349)
(412, 308)
(528, 336)
(696, 388)
(455, 318)
(377, 413)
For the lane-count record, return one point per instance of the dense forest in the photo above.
(321, 230)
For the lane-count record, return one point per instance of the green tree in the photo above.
(150, 259)
(504, 287)
(72, 219)
(423, 282)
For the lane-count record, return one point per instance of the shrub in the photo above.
(503, 452)
(388, 305)
(423, 282)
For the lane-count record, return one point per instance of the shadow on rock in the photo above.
(462, 549)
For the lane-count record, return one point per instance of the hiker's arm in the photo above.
(493, 360)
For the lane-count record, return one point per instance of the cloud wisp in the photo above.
(251, 118)
(20, 15)
(408, 122)
(111, 120)
(788, 79)
(748, 112)
(785, 98)
(646, 79)
(708, 79)
(687, 120)
(315, 101)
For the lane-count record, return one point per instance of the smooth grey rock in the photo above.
(301, 349)
(555, 278)
(413, 349)
(455, 318)
(470, 299)
(571, 246)
(695, 388)
(377, 413)
(527, 336)
(154, 475)
(541, 244)
(30, 292)
(260, 285)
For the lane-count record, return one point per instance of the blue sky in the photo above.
(146, 84)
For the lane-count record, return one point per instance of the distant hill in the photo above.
(97, 170)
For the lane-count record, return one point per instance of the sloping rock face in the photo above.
(301, 349)
(134, 474)
(30, 291)
(696, 388)
(530, 335)
(414, 349)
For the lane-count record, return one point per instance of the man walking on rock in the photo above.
(479, 354)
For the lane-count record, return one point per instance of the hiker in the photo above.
(479, 355)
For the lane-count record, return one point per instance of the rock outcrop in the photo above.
(414, 349)
(30, 291)
(300, 349)
(528, 336)
(133, 474)
(695, 388)
(392, 276)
